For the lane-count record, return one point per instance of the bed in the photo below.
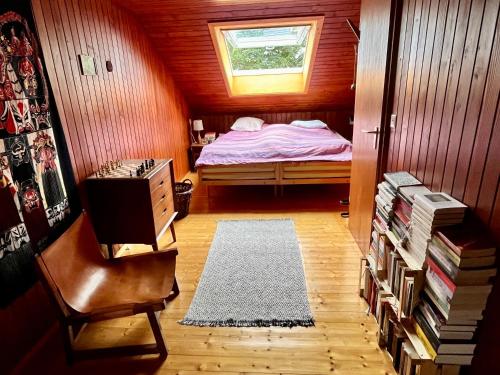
(278, 154)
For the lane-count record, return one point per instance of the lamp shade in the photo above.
(198, 125)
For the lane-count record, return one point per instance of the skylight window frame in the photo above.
(267, 83)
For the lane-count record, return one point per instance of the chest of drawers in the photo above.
(129, 209)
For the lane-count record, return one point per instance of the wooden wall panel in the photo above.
(179, 30)
(134, 112)
(336, 120)
(448, 131)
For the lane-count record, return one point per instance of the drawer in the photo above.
(162, 216)
(160, 208)
(160, 194)
(161, 178)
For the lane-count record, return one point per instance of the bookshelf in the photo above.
(392, 277)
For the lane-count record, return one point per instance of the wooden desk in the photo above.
(132, 209)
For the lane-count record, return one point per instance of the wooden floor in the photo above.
(342, 342)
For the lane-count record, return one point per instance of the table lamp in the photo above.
(198, 126)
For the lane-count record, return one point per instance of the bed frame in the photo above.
(278, 174)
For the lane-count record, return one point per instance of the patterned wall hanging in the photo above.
(33, 196)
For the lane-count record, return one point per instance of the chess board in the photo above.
(125, 169)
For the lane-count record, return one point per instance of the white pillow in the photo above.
(311, 124)
(247, 124)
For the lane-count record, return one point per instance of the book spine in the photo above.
(431, 337)
(448, 243)
(433, 266)
(443, 261)
(445, 249)
(425, 341)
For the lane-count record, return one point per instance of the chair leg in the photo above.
(160, 340)
(174, 293)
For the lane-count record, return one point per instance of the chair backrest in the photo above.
(72, 263)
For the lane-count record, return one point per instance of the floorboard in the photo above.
(342, 342)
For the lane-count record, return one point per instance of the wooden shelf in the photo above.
(415, 340)
(405, 254)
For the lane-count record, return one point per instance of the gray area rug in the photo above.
(253, 277)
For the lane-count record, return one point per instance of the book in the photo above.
(440, 257)
(398, 211)
(435, 220)
(383, 225)
(452, 359)
(442, 346)
(439, 203)
(479, 276)
(384, 205)
(390, 199)
(454, 316)
(449, 253)
(445, 334)
(409, 191)
(467, 240)
(399, 179)
(384, 185)
(425, 341)
(430, 308)
(405, 207)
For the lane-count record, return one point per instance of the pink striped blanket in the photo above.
(275, 143)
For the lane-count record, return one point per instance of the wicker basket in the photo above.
(183, 192)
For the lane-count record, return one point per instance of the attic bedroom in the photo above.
(249, 187)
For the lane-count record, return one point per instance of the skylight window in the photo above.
(270, 50)
(267, 56)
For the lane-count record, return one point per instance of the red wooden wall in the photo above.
(179, 30)
(135, 111)
(336, 120)
(448, 133)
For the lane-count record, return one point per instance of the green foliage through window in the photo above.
(281, 57)
(277, 49)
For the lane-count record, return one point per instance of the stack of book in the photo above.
(380, 246)
(403, 210)
(430, 211)
(400, 220)
(385, 201)
(460, 266)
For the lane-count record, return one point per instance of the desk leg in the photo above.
(172, 230)
(110, 251)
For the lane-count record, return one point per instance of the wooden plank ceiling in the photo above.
(179, 32)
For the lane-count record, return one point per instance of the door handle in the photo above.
(375, 131)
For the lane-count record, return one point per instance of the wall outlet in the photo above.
(393, 120)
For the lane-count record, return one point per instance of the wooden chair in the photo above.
(86, 288)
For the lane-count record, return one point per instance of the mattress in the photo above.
(276, 143)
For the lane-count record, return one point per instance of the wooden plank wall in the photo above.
(446, 101)
(135, 111)
(179, 30)
(337, 120)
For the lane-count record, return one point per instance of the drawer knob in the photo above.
(164, 212)
(161, 183)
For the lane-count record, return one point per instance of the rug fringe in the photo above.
(249, 323)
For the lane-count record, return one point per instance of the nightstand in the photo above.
(194, 154)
